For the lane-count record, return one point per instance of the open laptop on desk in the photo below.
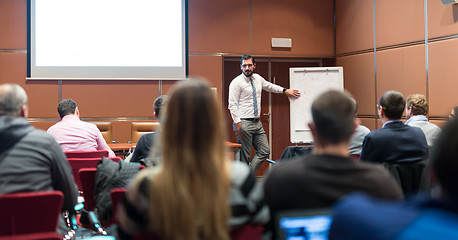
(311, 224)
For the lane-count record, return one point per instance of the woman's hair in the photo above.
(189, 194)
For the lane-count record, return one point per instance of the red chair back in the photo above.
(116, 196)
(79, 163)
(355, 156)
(27, 213)
(34, 236)
(247, 232)
(87, 177)
(87, 154)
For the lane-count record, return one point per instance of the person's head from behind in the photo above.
(444, 160)
(67, 107)
(13, 101)
(193, 181)
(391, 105)
(159, 104)
(333, 114)
(416, 105)
(247, 65)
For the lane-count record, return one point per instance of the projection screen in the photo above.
(107, 39)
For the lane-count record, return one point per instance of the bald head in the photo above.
(13, 100)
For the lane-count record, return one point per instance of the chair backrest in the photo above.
(247, 232)
(34, 236)
(26, 213)
(87, 177)
(140, 128)
(87, 154)
(411, 176)
(116, 196)
(79, 163)
(106, 129)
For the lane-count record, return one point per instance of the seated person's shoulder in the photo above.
(358, 216)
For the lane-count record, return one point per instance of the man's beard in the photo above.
(249, 74)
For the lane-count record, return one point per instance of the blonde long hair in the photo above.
(189, 195)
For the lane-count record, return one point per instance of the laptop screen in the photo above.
(304, 224)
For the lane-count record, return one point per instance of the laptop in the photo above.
(309, 224)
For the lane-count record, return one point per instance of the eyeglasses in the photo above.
(379, 106)
(247, 65)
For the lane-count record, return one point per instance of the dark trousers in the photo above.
(252, 134)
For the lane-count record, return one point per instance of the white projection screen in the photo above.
(107, 39)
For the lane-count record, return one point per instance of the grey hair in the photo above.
(12, 98)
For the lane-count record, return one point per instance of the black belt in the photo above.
(250, 119)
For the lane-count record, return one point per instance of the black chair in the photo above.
(411, 176)
(292, 152)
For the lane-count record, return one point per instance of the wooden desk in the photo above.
(121, 146)
(122, 149)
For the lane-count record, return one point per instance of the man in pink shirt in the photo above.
(75, 135)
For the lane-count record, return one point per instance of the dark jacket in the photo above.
(31, 161)
(111, 175)
(395, 142)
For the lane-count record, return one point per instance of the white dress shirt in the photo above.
(241, 95)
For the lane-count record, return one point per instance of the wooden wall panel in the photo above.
(443, 73)
(13, 69)
(43, 125)
(402, 70)
(354, 25)
(208, 67)
(309, 23)
(219, 26)
(369, 123)
(13, 24)
(399, 21)
(43, 99)
(112, 98)
(359, 80)
(442, 19)
(439, 123)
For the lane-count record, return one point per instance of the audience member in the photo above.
(191, 193)
(416, 112)
(30, 159)
(144, 144)
(321, 178)
(395, 141)
(357, 139)
(421, 217)
(75, 135)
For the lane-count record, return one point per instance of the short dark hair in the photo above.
(12, 98)
(333, 114)
(246, 57)
(444, 159)
(393, 104)
(66, 107)
(159, 103)
(418, 104)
